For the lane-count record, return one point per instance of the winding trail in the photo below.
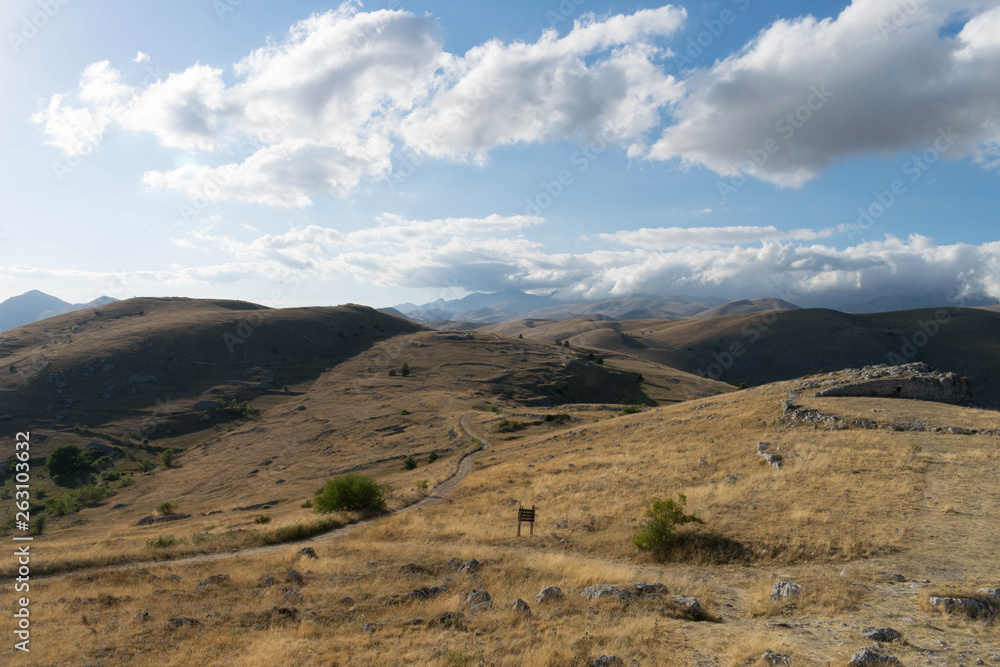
(436, 495)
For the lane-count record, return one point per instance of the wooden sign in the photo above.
(524, 514)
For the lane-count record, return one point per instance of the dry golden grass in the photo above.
(848, 507)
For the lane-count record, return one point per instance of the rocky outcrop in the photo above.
(916, 381)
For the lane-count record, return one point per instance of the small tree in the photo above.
(349, 492)
(168, 456)
(659, 532)
(405, 370)
(67, 462)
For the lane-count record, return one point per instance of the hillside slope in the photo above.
(774, 345)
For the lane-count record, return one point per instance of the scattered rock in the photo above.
(142, 616)
(214, 579)
(347, 600)
(471, 565)
(548, 594)
(970, 607)
(428, 593)
(307, 552)
(605, 590)
(370, 628)
(293, 577)
(689, 604)
(881, 634)
(785, 589)
(649, 590)
(181, 622)
(606, 661)
(452, 619)
(771, 658)
(869, 657)
(521, 607)
(267, 579)
(478, 597)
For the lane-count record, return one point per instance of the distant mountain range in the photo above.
(513, 305)
(35, 305)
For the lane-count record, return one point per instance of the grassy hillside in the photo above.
(775, 345)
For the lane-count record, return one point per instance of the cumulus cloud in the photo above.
(877, 79)
(324, 107)
(141, 57)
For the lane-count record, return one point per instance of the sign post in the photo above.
(524, 514)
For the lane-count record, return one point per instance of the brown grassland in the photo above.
(849, 507)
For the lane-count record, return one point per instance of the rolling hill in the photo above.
(767, 346)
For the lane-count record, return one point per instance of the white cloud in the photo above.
(141, 57)
(491, 254)
(499, 94)
(323, 108)
(805, 93)
(662, 238)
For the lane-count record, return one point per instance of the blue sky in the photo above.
(308, 154)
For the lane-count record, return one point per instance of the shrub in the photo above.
(392, 372)
(168, 457)
(263, 518)
(409, 463)
(422, 484)
(434, 456)
(110, 476)
(349, 492)
(405, 370)
(600, 360)
(11, 368)
(494, 409)
(307, 503)
(657, 534)
(166, 508)
(162, 542)
(146, 465)
(404, 411)
(37, 525)
(560, 418)
(125, 481)
(73, 500)
(508, 426)
(67, 462)
(241, 409)
(630, 409)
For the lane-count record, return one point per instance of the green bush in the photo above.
(168, 457)
(67, 462)
(405, 370)
(409, 463)
(37, 525)
(241, 409)
(349, 492)
(404, 411)
(494, 409)
(163, 542)
(657, 534)
(73, 500)
(263, 518)
(630, 409)
(508, 426)
(166, 508)
(434, 456)
(560, 418)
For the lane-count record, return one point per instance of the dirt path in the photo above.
(434, 496)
